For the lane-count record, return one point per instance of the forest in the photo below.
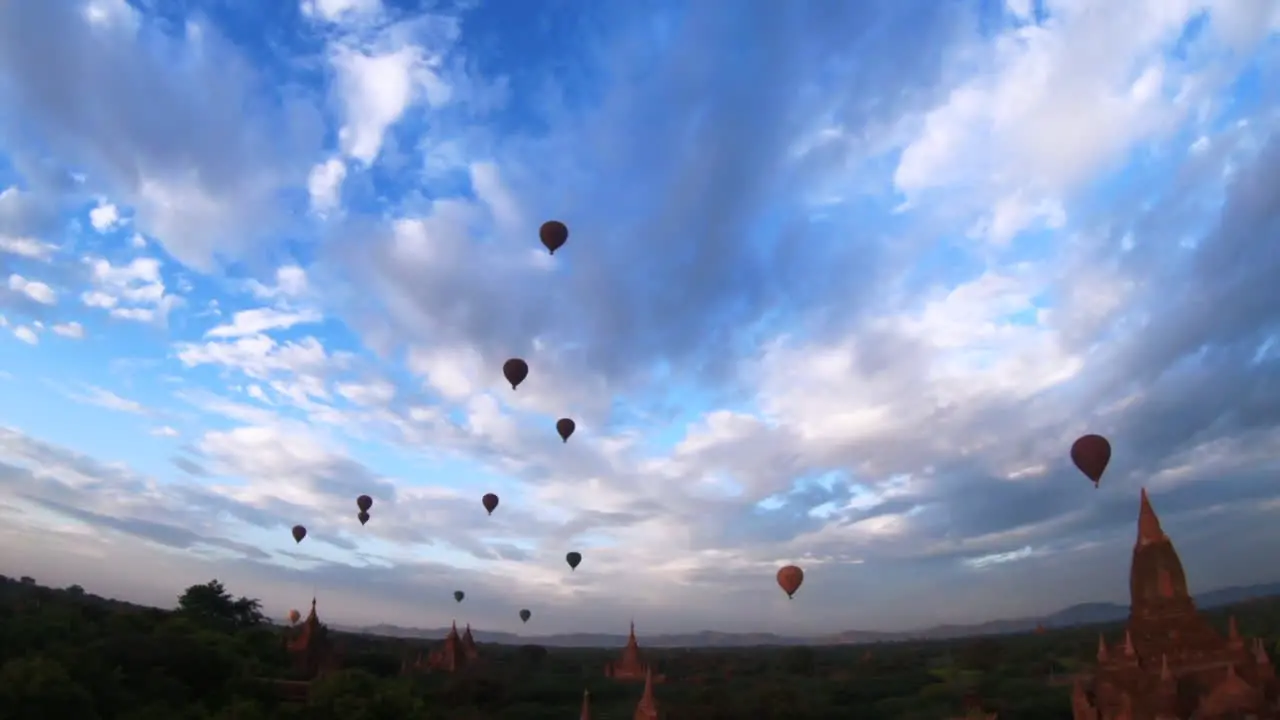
(66, 653)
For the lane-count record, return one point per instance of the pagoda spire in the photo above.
(1149, 529)
(1103, 655)
(586, 705)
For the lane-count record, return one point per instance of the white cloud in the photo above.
(165, 431)
(33, 289)
(260, 320)
(325, 185)
(105, 217)
(377, 87)
(134, 292)
(138, 242)
(335, 10)
(291, 283)
(69, 330)
(26, 335)
(26, 247)
(103, 398)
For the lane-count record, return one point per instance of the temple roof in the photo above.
(647, 706)
(1149, 529)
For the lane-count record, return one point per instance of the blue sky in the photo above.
(843, 283)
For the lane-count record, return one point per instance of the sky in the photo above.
(843, 283)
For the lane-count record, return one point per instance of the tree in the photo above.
(41, 688)
(211, 603)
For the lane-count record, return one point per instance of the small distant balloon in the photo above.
(515, 371)
(299, 532)
(565, 427)
(363, 517)
(364, 502)
(525, 615)
(490, 502)
(458, 595)
(574, 559)
(790, 578)
(294, 616)
(554, 234)
(1091, 454)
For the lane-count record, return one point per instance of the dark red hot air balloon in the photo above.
(490, 502)
(299, 532)
(364, 502)
(515, 371)
(565, 427)
(554, 234)
(1091, 454)
(363, 517)
(525, 615)
(574, 559)
(790, 578)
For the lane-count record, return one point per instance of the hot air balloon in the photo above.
(565, 427)
(553, 234)
(1091, 454)
(364, 502)
(294, 616)
(458, 595)
(490, 502)
(573, 558)
(790, 578)
(363, 517)
(525, 615)
(515, 371)
(299, 532)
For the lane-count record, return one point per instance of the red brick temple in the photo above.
(647, 708)
(630, 666)
(1171, 664)
(313, 656)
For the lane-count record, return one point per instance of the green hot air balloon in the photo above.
(573, 558)
(525, 615)
(458, 595)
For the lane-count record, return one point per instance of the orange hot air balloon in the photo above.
(299, 532)
(790, 578)
(490, 502)
(294, 616)
(1091, 454)
(565, 427)
(554, 234)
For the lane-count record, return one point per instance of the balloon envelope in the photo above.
(458, 595)
(789, 579)
(1091, 454)
(525, 615)
(554, 234)
(364, 502)
(573, 558)
(299, 532)
(294, 615)
(363, 517)
(490, 502)
(515, 371)
(565, 427)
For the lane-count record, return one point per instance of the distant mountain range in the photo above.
(1076, 615)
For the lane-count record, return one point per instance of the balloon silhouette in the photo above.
(294, 616)
(363, 517)
(574, 559)
(299, 532)
(525, 615)
(458, 595)
(364, 502)
(789, 579)
(1091, 454)
(490, 502)
(515, 371)
(565, 427)
(554, 234)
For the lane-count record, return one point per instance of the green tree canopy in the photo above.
(211, 603)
